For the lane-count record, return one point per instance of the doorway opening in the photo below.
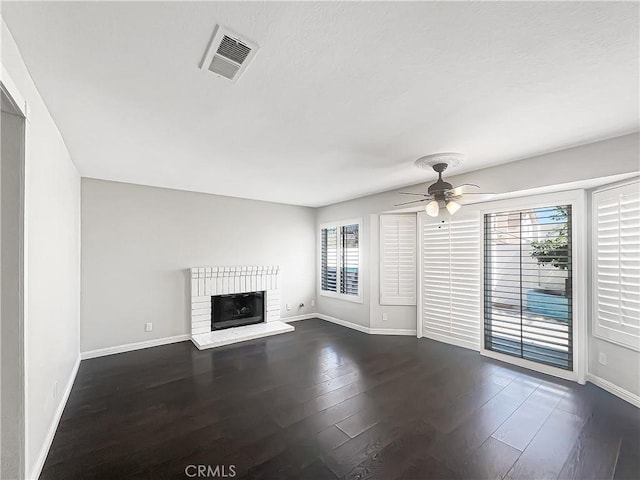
(12, 367)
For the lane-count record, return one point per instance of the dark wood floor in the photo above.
(326, 402)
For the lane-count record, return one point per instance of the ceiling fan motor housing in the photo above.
(440, 187)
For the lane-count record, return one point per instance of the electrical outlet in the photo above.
(602, 358)
(288, 307)
(385, 317)
(148, 327)
(313, 303)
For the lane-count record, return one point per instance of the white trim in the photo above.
(577, 200)
(341, 223)
(614, 389)
(12, 90)
(621, 183)
(370, 331)
(530, 365)
(452, 341)
(341, 296)
(128, 347)
(420, 274)
(25, 280)
(46, 445)
(410, 332)
(580, 242)
(17, 100)
(297, 318)
(343, 323)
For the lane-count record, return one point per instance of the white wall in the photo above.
(610, 157)
(623, 364)
(52, 263)
(138, 242)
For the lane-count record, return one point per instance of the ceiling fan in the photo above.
(441, 193)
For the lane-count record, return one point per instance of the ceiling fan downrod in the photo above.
(440, 186)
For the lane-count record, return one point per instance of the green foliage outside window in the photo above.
(555, 250)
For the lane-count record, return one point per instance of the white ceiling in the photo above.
(341, 98)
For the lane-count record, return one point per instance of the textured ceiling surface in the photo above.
(341, 97)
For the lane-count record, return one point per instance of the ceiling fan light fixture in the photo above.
(432, 208)
(453, 207)
(440, 194)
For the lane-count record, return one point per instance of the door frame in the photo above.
(20, 107)
(577, 200)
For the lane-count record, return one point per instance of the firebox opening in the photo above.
(236, 310)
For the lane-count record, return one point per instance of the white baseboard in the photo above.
(343, 323)
(363, 329)
(393, 331)
(296, 318)
(36, 470)
(101, 352)
(614, 389)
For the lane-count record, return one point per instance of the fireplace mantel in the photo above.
(209, 281)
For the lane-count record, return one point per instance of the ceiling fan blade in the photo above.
(467, 185)
(411, 193)
(478, 193)
(407, 203)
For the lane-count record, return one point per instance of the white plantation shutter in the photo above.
(450, 283)
(398, 259)
(616, 264)
(329, 259)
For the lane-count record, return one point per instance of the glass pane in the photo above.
(350, 259)
(528, 309)
(329, 259)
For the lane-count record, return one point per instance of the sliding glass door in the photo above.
(527, 285)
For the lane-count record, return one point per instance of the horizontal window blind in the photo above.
(616, 264)
(527, 287)
(398, 259)
(350, 253)
(329, 259)
(451, 279)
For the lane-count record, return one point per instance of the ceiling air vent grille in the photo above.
(224, 68)
(228, 55)
(233, 49)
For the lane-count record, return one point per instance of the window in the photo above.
(616, 264)
(398, 259)
(340, 260)
(527, 284)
